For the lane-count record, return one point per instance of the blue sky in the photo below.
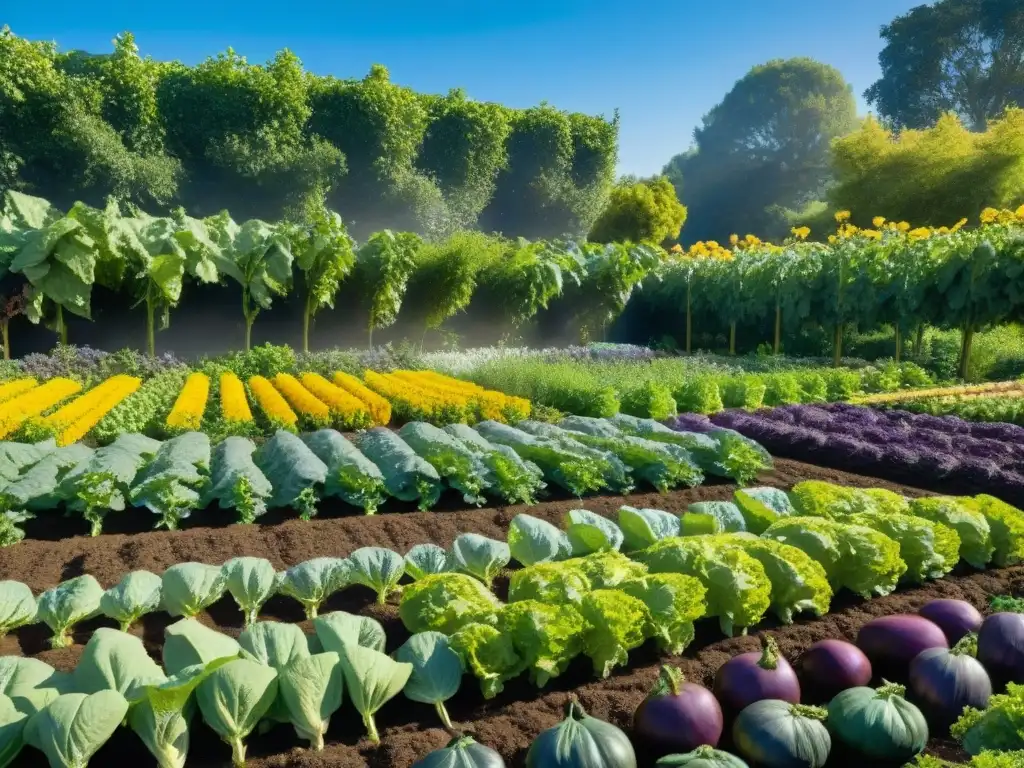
(663, 64)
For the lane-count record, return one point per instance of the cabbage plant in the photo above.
(251, 581)
(67, 604)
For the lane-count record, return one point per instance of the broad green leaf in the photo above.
(12, 731)
(446, 602)
(188, 643)
(67, 604)
(21, 674)
(371, 679)
(138, 593)
(377, 568)
(117, 661)
(188, 588)
(251, 581)
(234, 698)
(426, 559)
(436, 670)
(333, 629)
(643, 527)
(480, 556)
(532, 540)
(591, 533)
(72, 728)
(312, 691)
(274, 643)
(313, 581)
(17, 606)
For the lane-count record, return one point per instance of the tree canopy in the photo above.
(644, 211)
(764, 147)
(271, 141)
(961, 56)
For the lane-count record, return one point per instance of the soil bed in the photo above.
(507, 723)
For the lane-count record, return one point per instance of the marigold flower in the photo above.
(801, 232)
(959, 225)
(188, 410)
(920, 233)
(903, 226)
(18, 410)
(878, 221)
(733, 239)
(274, 407)
(302, 401)
(348, 411)
(871, 234)
(989, 216)
(234, 405)
(379, 408)
(842, 216)
(72, 422)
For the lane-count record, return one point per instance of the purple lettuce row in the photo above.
(893, 456)
(690, 422)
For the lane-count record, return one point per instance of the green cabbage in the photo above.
(616, 623)
(546, 637)
(976, 547)
(489, 654)
(674, 602)
(930, 550)
(446, 602)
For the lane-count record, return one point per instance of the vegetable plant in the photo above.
(678, 715)
(251, 581)
(436, 671)
(67, 604)
(943, 682)
(17, 606)
(546, 637)
(1001, 647)
(233, 699)
(313, 581)
(312, 690)
(71, 728)
(831, 666)
(532, 540)
(878, 723)
(892, 642)
(371, 679)
(956, 618)
(189, 588)
(480, 556)
(780, 734)
(445, 603)
(750, 677)
(581, 741)
(137, 594)
(378, 568)
(461, 751)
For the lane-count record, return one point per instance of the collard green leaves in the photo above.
(71, 728)
(67, 604)
(436, 670)
(138, 593)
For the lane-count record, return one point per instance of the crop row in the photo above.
(991, 389)
(1005, 407)
(664, 387)
(416, 464)
(577, 594)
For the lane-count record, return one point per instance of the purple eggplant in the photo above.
(955, 618)
(892, 642)
(678, 716)
(1001, 648)
(943, 682)
(829, 667)
(751, 677)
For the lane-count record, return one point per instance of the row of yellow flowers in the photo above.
(274, 407)
(188, 410)
(347, 411)
(992, 388)
(234, 405)
(312, 411)
(410, 402)
(15, 387)
(483, 403)
(73, 421)
(378, 407)
(17, 410)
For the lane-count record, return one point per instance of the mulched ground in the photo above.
(508, 723)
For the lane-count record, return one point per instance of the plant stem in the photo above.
(965, 350)
(778, 327)
(306, 316)
(5, 328)
(249, 319)
(837, 345)
(899, 342)
(443, 714)
(371, 330)
(919, 341)
(238, 753)
(62, 329)
(688, 318)
(371, 729)
(732, 338)
(150, 327)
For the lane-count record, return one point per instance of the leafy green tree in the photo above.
(384, 265)
(766, 144)
(644, 211)
(325, 256)
(960, 56)
(611, 272)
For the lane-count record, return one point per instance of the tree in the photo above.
(961, 56)
(765, 145)
(324, 255)
(645, 211)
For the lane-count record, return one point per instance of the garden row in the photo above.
(418, 463)
(597, 603)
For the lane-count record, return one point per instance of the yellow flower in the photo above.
(878, 221)
(713, 245)
(18, 410)
(379, 408)
(274, 407)
(871, 234)
(903, 226)
(989, 216)
(733, 239)
(920, 233)
(677, 248)
(349, 412)
(959, 225)
(751, 240)
(832, 239)
(187, 413)
(76, 419)
(1019, 213)
(842, 216)
(234, 406)
(15, 387)
(302, 400)
(801, 232)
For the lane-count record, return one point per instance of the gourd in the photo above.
(777, 734)
(702, 757)
(581, 741)
(944, 682)
(878, 723)
(461, 752)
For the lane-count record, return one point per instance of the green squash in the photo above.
(461, 752)
(702, 757)
(878, 723)
(776, 734)
(581, 741)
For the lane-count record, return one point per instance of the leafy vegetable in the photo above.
(976, 546)
(532, 540)
(674, 602)
(453, 461)
(137, 594)
(727, 515)
(71, 728)
(615, 624)
(233, 699)
(312, 690)
(821, 499)
(235, 480)
(516, 480)
(12, 731)
(171, 485)
(377, 568)
(294, 471)
(489, 654)
(738, 589)
(371, 679)
(616, 474)
(251, 581)
(333, 629)
(446, 602)
(350, 475)
(313, 581)
(1007, 526)
(188, 643)
(590, 533)
(551, 583)
(17, 606)
(274, 643)
(643, 527)
(930, 550)
(436, 671)
(427, 559)
(67, 604)
(407, 477)
(189, 588)
(36, 489)
(116, 661)
(761, 507)
(546, 637)
(479, 556)
(999, 728)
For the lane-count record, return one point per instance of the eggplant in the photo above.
(581, 741)
(829, 667)
(892, 642)
(943, 682)
(1001, 648)
(678, 716)
(751, 677)
(461, 752)
(955, 618)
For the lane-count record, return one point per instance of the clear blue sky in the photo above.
(663, 64)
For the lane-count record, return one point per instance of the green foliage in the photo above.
(383, 267)
(949, 56)
(645, 211)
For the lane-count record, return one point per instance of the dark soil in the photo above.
(507, 723)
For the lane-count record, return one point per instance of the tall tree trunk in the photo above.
(919, 340)
(5, 328)
(899, 342)
(732, 338)
(371, 331)
(837, 345)
(306, 313)
(689, 319)
(965, 350)
(778, 328)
